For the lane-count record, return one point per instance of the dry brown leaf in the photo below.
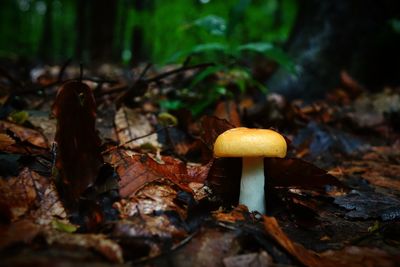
(155, 196)
(18, 194)
(98, 242)
(137, 170)
(50, 206)
(46, 124)
(361, 256)
(22, 231)
(228, 110)
(379, 173)
(5, 141)
(237, 214)
(25, 134)
(262, 259)
(131, 124)
(208, 248)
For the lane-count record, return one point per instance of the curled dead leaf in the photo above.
(24, 134)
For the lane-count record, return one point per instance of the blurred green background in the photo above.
(130, 32)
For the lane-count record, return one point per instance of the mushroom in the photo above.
(252, 145)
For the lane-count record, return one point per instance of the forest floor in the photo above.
(130, 183)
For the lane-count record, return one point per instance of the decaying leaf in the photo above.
(297, 173)
(262, 259)
(18, 194)
(22, 231)
(136, 170)
(208, 248)
(211, 128)
(5, 141)
(237, 214)
(228, 110)
(146, 236)
(46, 124)
(376, 171)
(79, 158)
(370, 110)
(132, 128)
(100, 243)
(349, 256)
(368, 205)
(321, 141)
(24, 134)
(156, 196)
(50, 206)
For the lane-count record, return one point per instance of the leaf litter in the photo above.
(152, 206)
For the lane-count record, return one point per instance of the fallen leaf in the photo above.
(45, 123)
(133, 129)
(147, 236)
(369, 205)
(322, 141)
(64, 227)
(49, 206)
(297, 173)
(137, 170)
(377, 172)
(5, 141)
(153, 197)
(262, 259)
(349, 256)
(22, 231)
(228, 110)
(361, 256)
(100, 243)
(18, 194)
(79, 157)
(208, 248)
(24, 134)
(237, 214)
(211, 128)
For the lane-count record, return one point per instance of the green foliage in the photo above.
(168, 26)
(395, 23)
(209, 86)
(229, 46)
(19, 117)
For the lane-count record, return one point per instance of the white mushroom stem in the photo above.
(252, 184)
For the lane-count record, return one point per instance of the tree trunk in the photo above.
(46, 49)
(330, 36)
(102, 30)
(82, 8)
(139, 52)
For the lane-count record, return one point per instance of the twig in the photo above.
(183, 68)
(80, 71)
(145, 70)
(62, 70)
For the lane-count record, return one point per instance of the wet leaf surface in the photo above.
(367, 205)
(172, 203)
(349, 256)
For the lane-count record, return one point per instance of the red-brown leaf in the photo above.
(137, 170)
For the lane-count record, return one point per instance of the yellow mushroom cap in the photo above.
(246, 142)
